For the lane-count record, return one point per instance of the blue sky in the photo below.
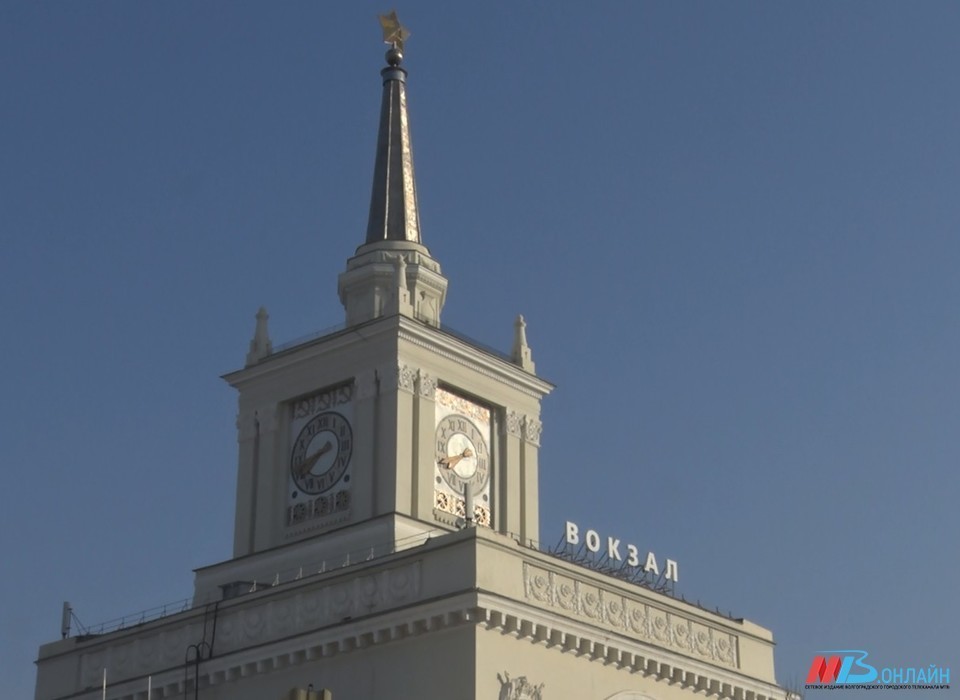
(732, 228)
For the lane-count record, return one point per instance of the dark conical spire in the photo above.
(392, 273)
(393, 204)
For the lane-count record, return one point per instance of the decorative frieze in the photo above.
(324, 400)
(454, 505)
(628, 615)
(138, 656)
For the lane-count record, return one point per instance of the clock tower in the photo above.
(393, 428)
(387, 520)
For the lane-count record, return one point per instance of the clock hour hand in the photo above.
(453, 460)
(312, 459)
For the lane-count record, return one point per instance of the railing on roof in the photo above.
(444, 328)
(239, 588)
(133, 619)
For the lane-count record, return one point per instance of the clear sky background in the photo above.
(734, 229)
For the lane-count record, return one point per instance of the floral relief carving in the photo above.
(660, 626)
(681, 634)
(539, 587)
(426, 385)
(406, 377)
(701, 642)
(650, 623)
(725, 650)
(512, 424)
(531, 430)
(615, 613)
(591, 604)
(567, 596)
(639, 621)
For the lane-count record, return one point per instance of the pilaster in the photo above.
(510, 483)
(424, 438)
(247, 434)
(407, 444)
(366, 453)
(529, 480)
(267, 478)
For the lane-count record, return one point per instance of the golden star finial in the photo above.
(394, 33)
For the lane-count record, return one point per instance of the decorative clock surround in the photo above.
(463, 457)
(321, 447)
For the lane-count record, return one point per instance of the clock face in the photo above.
(463, 459)
(463, 464)
(321, 453)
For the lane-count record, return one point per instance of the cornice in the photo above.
(477, 359)
(421, 335)
(482, 609)
(566, 636)
(309, 350)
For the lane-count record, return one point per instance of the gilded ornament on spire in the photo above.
(394, 33)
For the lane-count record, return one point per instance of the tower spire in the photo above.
(393, 203)
(377, 282)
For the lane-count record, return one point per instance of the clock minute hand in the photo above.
(312, 459)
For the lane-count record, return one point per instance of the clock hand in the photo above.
(312, 459)
(452, 461)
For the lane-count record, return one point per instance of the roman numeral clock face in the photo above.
(321, 453)
(321, 447)
(462, 454)
(463, 459)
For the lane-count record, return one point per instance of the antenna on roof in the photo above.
(65, 620)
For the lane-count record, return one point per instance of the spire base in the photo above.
(370, 287)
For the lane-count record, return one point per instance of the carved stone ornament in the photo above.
(323, 400)
(518, 688)
(426, 385)
(531, 430)
(633, 617)
(402, 377)
(513, 423)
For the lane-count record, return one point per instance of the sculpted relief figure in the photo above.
(518, 688)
